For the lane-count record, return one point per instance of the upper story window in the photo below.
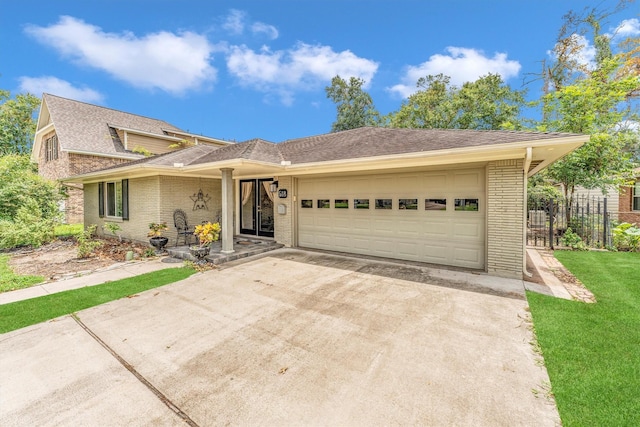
(51, 148)
(636, 196)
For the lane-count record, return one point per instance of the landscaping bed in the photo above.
(59, 259)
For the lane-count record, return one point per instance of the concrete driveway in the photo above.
(291, 338)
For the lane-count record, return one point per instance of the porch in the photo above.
(244, 246)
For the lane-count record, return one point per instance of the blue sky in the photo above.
(257, 69)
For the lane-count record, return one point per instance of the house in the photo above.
(449, 197)
(75, 137)
(629, 202)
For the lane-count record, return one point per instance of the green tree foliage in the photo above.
(354, 105)
(594, 105)
(28, 203)
(17, 124)
(594, 99)
(486, 104)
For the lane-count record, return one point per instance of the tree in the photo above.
(488, 103)
(354, 105)
(29, 203)
(17, 123)
(594, 98)
(594, 105)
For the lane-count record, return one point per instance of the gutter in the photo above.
(525, 170)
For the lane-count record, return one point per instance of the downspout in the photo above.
(527, 164)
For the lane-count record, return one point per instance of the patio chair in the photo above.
(182, 227)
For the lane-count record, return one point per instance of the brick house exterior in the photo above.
(448, 197)
(629, 202)
(75, 138)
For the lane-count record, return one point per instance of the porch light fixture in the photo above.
(273, 187)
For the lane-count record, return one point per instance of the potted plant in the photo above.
(206, 233)
(157, 240)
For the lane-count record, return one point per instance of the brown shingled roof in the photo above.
(86, 127)
(376, 141)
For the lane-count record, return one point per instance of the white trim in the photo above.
(113, 156)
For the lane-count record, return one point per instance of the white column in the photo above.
(227, 210)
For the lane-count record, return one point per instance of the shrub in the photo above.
(87, 243)
(28, 229)
(573, 241)
(626, 237)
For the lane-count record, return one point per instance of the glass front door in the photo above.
(256, 207)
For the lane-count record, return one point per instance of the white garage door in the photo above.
(435, 217)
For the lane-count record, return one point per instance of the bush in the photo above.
(87, 243)
(626, 237)
(573, 241)
(21, 184)
(28, 229)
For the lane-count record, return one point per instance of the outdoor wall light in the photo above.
(273, 187)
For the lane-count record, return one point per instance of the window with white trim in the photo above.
(51, 148)
(636, 197)
(113, 202)
(113, 199)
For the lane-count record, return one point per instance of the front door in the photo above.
(256, 207)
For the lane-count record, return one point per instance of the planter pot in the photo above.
(159, 243)
(199, 252)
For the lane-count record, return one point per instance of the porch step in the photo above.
(241, 251)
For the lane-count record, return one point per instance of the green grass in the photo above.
(592, 351)
(29, 312)
(10, 281)
(68, 230)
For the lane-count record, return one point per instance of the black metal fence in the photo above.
(587, 216)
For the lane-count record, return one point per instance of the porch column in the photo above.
(227, 210)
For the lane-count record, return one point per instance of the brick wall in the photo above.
(154, 199)
(284, 224)
(625, 207)
(69, 164)
(505, 218)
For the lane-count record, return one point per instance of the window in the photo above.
(323, 204)
(341, 203)
(435, 204)
(51, 148)
(636, 196)
(306, 203)
(113, 202)
(113, 199)
(383, 203)
(361, 203)
(408, 204)
(466, 205)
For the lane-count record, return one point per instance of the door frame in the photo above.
(256, 209)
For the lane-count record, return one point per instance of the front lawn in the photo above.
(10, 281)
(29, 312)
(592, 351)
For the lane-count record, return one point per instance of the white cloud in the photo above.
(304, 67)
(261, 28)
(234, 23)
(55, 86)
(170, 62)
(461, 64)
(627, 28)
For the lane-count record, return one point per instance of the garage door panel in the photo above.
(443, 237)
(436, 229)
(468, 229)
(468, 180)
(466, 257)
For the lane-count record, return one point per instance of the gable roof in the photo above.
(87, 128)
(367, 148)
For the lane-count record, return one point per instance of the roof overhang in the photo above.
(543, 153)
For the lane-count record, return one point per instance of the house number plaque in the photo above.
(282, 193)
